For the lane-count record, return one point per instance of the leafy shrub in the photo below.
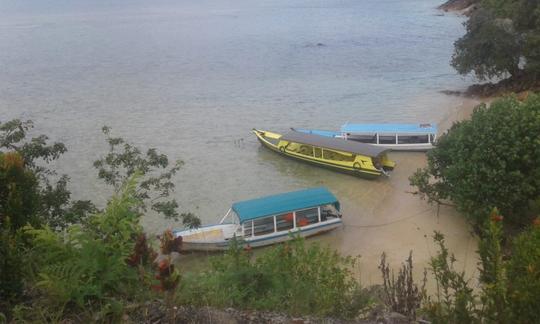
(290, 277)
(87, 267)
(155, 187)
(455, 301)
(51, 200)
(402, 295)
(509, 289)
(523, 272)
(488, 161)
(11, 280)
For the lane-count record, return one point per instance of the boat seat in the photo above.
(215, 234)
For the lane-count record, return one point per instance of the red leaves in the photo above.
(170, 243)
(142, 253)
(495, 217)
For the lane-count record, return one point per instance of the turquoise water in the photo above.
(193, 77)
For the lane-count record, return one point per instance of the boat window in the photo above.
(431, 138)
(365, 138)
(285, 222)
(307, 217)
(338, 156)
(248, 226)
(318, 152)
(328, 211)
(387, 139)
(263, 225)
(305, 150)
(413, 139)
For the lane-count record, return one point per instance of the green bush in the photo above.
(291, 278)
(454, 301)
(509, 287)
(523, 272)
(85, 268)
(488, 161)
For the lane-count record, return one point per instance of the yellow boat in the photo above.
(355, 158)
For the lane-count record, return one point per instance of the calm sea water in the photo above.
(193, 77)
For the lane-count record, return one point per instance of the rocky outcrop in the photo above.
(465, 6)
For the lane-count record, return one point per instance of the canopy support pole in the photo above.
(224, 217)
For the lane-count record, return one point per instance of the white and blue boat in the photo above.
(398, 137)
(268, 220)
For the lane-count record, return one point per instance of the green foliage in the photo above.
(124, 159)
(455, 301)
(488, 161)
(502, 37)
(11, 280)
(86, 267)
(290, 277)
(402, 295)
(490, 47)
(18, 193)
(51, 202)
(492, 271)
(523, 273)
(509, 286)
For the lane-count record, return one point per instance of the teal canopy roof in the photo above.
(284, 203)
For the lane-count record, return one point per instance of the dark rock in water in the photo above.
(451, 92)
(315, 45)
(518, 84)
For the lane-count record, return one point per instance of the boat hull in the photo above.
(351, 171)
(265, 240)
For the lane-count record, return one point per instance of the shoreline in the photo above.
(396, 221)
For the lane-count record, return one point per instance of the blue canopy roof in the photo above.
(389, 128)
(283, 203)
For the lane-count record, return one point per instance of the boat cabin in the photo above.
(285, 212)
(268, 220)
(396, 136)
(407, 137)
